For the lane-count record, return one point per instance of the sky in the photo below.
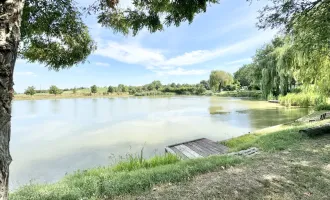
(223, 38)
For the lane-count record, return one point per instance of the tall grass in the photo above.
(105, 182)
(255, 94)
(322, 106)
(302, 99)
(133, 162)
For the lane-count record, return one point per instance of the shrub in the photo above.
(94, 89)
(208, 93)
(250, 94)
(322, 106)
(302, 99)
(30, 91)
(54, 90)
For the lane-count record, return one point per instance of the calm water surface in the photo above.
(53, 137)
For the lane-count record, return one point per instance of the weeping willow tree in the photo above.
(305, 54)
(274, 61)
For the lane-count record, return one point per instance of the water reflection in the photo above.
(60, 136)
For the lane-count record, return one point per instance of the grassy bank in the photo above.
(67, 95)
(254, 94)
(135, 175)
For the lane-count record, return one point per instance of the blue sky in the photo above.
(223, 38)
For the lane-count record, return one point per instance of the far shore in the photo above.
(21, 97)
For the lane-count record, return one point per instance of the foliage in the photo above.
(155, 85)
(54, 28)
(245, 75)
(151, 15)
(122, 88)
(200, 89)
(54, 90)
(30, 91)
(94, 89)
(206, 84)
(111, 89)
(302, 99)
(74, 90)
(255, 94)
(307, 51)
(322, 106)
(220, 79)
(104, 182)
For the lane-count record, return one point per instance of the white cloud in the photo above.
(102, 64)
(182, 72)
(130, 53)
(153, 59)
(25, 74)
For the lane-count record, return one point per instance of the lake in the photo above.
(53, 137)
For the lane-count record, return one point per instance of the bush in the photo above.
(250, 94)
(302, 99)
(30, 91)
(208, 93)
(94, 89)
(296, 90)
(253, 87)
(322, 106)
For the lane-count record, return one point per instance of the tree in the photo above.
(74, 91)
(52, 33)
(306, 24)
(244, 75)
(54, 90)
(110, 89)
(206, 84)
(94, 89)
(30, 91)
(200, 89)
(120, 88)
(219, 79)
(147, 14)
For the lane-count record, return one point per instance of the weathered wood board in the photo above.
(196, 149)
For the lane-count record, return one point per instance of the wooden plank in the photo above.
(177, 144)
(205, 150)
(206, 145)
(220, 147)
(169, 150)
(187, 151)
(179, 153)
(197, 149)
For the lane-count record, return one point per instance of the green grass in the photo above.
(276, 141)
(255, 94)
(286, 136)
(322, 106)
(108, 182)
(134, 162)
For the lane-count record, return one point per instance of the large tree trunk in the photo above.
(10, 21)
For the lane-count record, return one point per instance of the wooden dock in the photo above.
(196, 149)
(273, 101)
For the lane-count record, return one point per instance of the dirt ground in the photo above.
(302, 172)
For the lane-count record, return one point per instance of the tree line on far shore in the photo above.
(218, 81)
